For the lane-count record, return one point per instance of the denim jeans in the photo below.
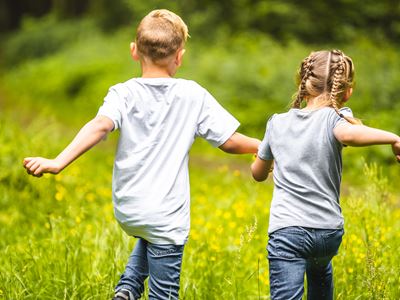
(161, 263)
(295, 251)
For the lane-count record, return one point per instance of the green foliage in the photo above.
(307, 20)
(76, 77)
(49, 243)
(250, 74)
(242, 72)
(40, 38)
(59, 239)
(371, 215)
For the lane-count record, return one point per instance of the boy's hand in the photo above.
(36, 166)
(396, 150)
(90, 134)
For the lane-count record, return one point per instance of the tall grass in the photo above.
(58, 237)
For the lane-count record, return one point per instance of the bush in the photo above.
(249, 73)
(39, 38)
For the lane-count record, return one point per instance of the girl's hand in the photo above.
(36, 166)
(396, 150)
(261, 168)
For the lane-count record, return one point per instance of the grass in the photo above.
(60, 241)
(58, 236)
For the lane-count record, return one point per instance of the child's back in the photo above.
(159, 119)
(307, 169)
(305, 145)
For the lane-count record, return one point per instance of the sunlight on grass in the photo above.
(60, 239)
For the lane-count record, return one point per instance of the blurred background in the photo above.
(58, 237)
(63, 55)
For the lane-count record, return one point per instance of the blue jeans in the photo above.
(293, 251)
(161, 263)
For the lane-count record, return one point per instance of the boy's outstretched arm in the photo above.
(87, 137)
(240, 144)
(361, 135)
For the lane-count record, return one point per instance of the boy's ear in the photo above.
(179, 56)
(134, 51)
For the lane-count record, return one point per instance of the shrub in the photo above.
(41, 37)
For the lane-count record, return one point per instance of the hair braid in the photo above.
(328, 70)
(325, 79)
(304, 73)
(336, 88)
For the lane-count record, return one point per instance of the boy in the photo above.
(158, 117)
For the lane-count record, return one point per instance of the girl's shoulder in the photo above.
(327, 113)
(272, 117)
(347, 112)
(324, 111)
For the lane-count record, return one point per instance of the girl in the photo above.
(305, 144)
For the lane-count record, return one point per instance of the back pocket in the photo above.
(287, 242)
(332, 240)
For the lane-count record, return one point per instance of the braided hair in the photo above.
(305, 72)
(338, 67)
(325, 75)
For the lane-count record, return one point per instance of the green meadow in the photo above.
(58, 235)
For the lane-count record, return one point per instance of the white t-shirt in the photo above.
(158, 119)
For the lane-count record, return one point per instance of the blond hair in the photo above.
(326, 75)
(160, 34)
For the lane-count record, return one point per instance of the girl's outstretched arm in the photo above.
(361, 135)
(260, 169)
(90, 134)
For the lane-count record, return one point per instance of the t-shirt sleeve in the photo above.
(336, 120)
(264, 150)
(215, 124)
(111, 107)
(346, 111)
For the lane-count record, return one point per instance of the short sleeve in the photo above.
(215, 124)
(346, 111)
(111, 108)
(264, 150)
(337, 119)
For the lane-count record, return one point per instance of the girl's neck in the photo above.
(315, 103)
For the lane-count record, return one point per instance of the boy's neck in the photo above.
(150, 70)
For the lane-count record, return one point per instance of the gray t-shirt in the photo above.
(158, 119)
(307, 168)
